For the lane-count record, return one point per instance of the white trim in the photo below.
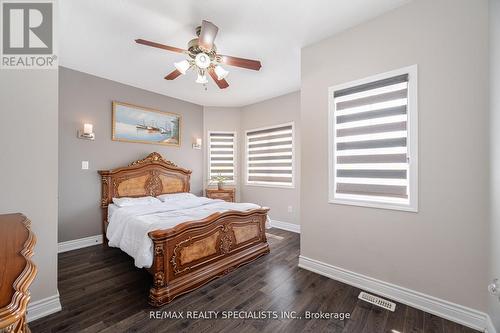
(457, 313)
(79, 243)
(412, 142)
(490, 328)
(43, 307)
(373, 204)
(245, 169)
(285, 226)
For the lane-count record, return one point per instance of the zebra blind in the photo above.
(370, 143)
(222, 155)
(270, 156)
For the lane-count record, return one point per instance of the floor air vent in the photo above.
(383, 303)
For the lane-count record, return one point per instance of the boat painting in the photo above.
(133, 123)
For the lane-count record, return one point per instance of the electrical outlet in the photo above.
(290, 209)
(85, 165)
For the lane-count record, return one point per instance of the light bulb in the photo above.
(201, 79)
(182, 66)
(221, 72)
(202, 60)
(88, 128)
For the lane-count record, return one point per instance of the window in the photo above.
(373, 141)
(270, 156)
(222, 155)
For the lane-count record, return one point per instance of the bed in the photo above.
(189, 254)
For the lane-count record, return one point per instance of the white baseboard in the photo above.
(451, 311)
(43, 307)
(79, 243)
(490, 328)
(285, 226)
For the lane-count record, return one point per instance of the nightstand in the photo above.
(227, 194)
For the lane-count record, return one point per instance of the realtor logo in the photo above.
(27, 35)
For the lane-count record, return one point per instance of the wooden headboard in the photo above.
(153, 175)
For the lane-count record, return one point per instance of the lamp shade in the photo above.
(88, 128)
(201, 79)
(182, 66)
(221, 72)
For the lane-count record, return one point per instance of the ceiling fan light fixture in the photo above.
(201, 56)
(221, 72)
(182, 66)
(202, 78)
(202, 60)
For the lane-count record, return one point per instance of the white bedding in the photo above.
(111, 209)
(129, 226)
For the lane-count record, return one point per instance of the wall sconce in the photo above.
(197, 144)
(87, 133)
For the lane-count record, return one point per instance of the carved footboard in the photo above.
(194, 253)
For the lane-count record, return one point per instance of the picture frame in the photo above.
(138, 124)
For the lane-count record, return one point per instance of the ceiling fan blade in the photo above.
(221, 83)
(173, 75)
(160, 46)
(241, 62)
(207, 34)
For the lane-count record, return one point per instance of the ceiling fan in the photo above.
(202, 56)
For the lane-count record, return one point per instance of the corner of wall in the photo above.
(494, 232)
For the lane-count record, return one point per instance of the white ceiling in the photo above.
(97, 37)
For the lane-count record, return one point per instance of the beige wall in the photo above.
(441, 250)
(494, 303)
(224, 119)
(271, 112)
(28, 150)
(87, 98)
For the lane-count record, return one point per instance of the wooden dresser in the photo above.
(17, 271)
(227, 194)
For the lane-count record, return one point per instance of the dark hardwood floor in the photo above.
(102, 291)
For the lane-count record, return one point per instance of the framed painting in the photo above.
(132, 123)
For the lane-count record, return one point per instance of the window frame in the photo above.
(412, 142)
(235, 156)
(262, 184)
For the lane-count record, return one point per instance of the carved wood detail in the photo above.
(159, 279)
(175, 256)
(16, 298)
(153, 158)
(226, 239)
(153, 185)
(159, 250)
(159, 276)
(105, 191)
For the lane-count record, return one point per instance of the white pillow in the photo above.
(176, 196)
(126, 202)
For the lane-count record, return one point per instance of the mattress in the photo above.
(128, 227)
